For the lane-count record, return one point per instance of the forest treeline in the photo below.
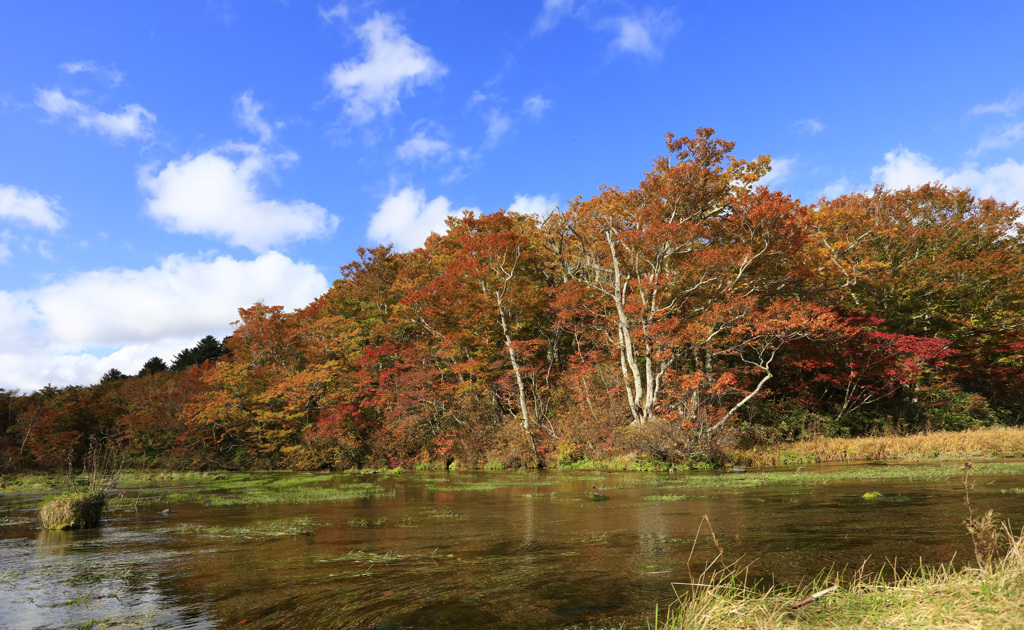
(670, 322)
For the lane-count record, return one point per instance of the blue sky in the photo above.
(162, 164)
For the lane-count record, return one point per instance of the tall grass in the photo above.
(997, 441)
(976, 596)
(988, 593)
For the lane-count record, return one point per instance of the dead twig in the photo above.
(804, 602)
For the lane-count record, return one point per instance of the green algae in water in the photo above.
(294, 527)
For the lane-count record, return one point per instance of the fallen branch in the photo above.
(810, 599)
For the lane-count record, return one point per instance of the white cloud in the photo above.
(1008, 107)
(498, 125)
(247, 113)
(393, 63)
(75, 330)
(641, 34)
(837, 188)
(809, 125)
(5, 250)
(421, 147)
(27, 206)
(475, 99)
(406, 218)
(338, 11)
(110, 75)
(782, 168)
(133, 121)
(1004, 138)
(216, 195)
(903, 168)
(535, 105)
(551, 14)
(537, 205)
(457, 174)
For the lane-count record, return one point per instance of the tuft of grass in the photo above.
(73, 510)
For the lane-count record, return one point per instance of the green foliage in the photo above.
(206, 349)
(154, 365)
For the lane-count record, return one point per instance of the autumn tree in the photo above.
(683, 267)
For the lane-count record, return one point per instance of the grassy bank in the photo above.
(947, 596)
(985, 593)
(992, 442)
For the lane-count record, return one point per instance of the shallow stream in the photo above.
(473, 549)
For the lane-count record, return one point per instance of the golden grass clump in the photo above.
(74, 510)
(993, 441)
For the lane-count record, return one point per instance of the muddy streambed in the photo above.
(469, 549)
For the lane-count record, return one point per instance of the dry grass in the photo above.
(985, 594)
(992, 442)
(73, 510)
(944, 597)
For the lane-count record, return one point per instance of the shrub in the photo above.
(74, 510)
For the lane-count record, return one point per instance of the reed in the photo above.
(988, 593)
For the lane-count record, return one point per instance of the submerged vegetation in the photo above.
(295, 527)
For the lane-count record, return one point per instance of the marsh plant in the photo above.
(985, 594)
(75, 509)
(81, 507)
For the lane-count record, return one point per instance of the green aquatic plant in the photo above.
(668, 497)
(295, 527)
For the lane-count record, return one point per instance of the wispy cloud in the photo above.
(392, 64)
(1002, 139)
(422, 146)
(552, 12)
(536, 105)
(809, 125)
(498, 124)
(111, 76)
(837, 188)
(337, 11)
(133, 121)
(248, 114)
(643, 34)
(26, 206)
(1007, 107)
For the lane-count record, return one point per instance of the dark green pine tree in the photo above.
(207, 349)
(153, 366)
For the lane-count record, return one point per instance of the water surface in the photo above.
(474, 549)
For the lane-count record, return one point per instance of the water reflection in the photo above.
(516, 550)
